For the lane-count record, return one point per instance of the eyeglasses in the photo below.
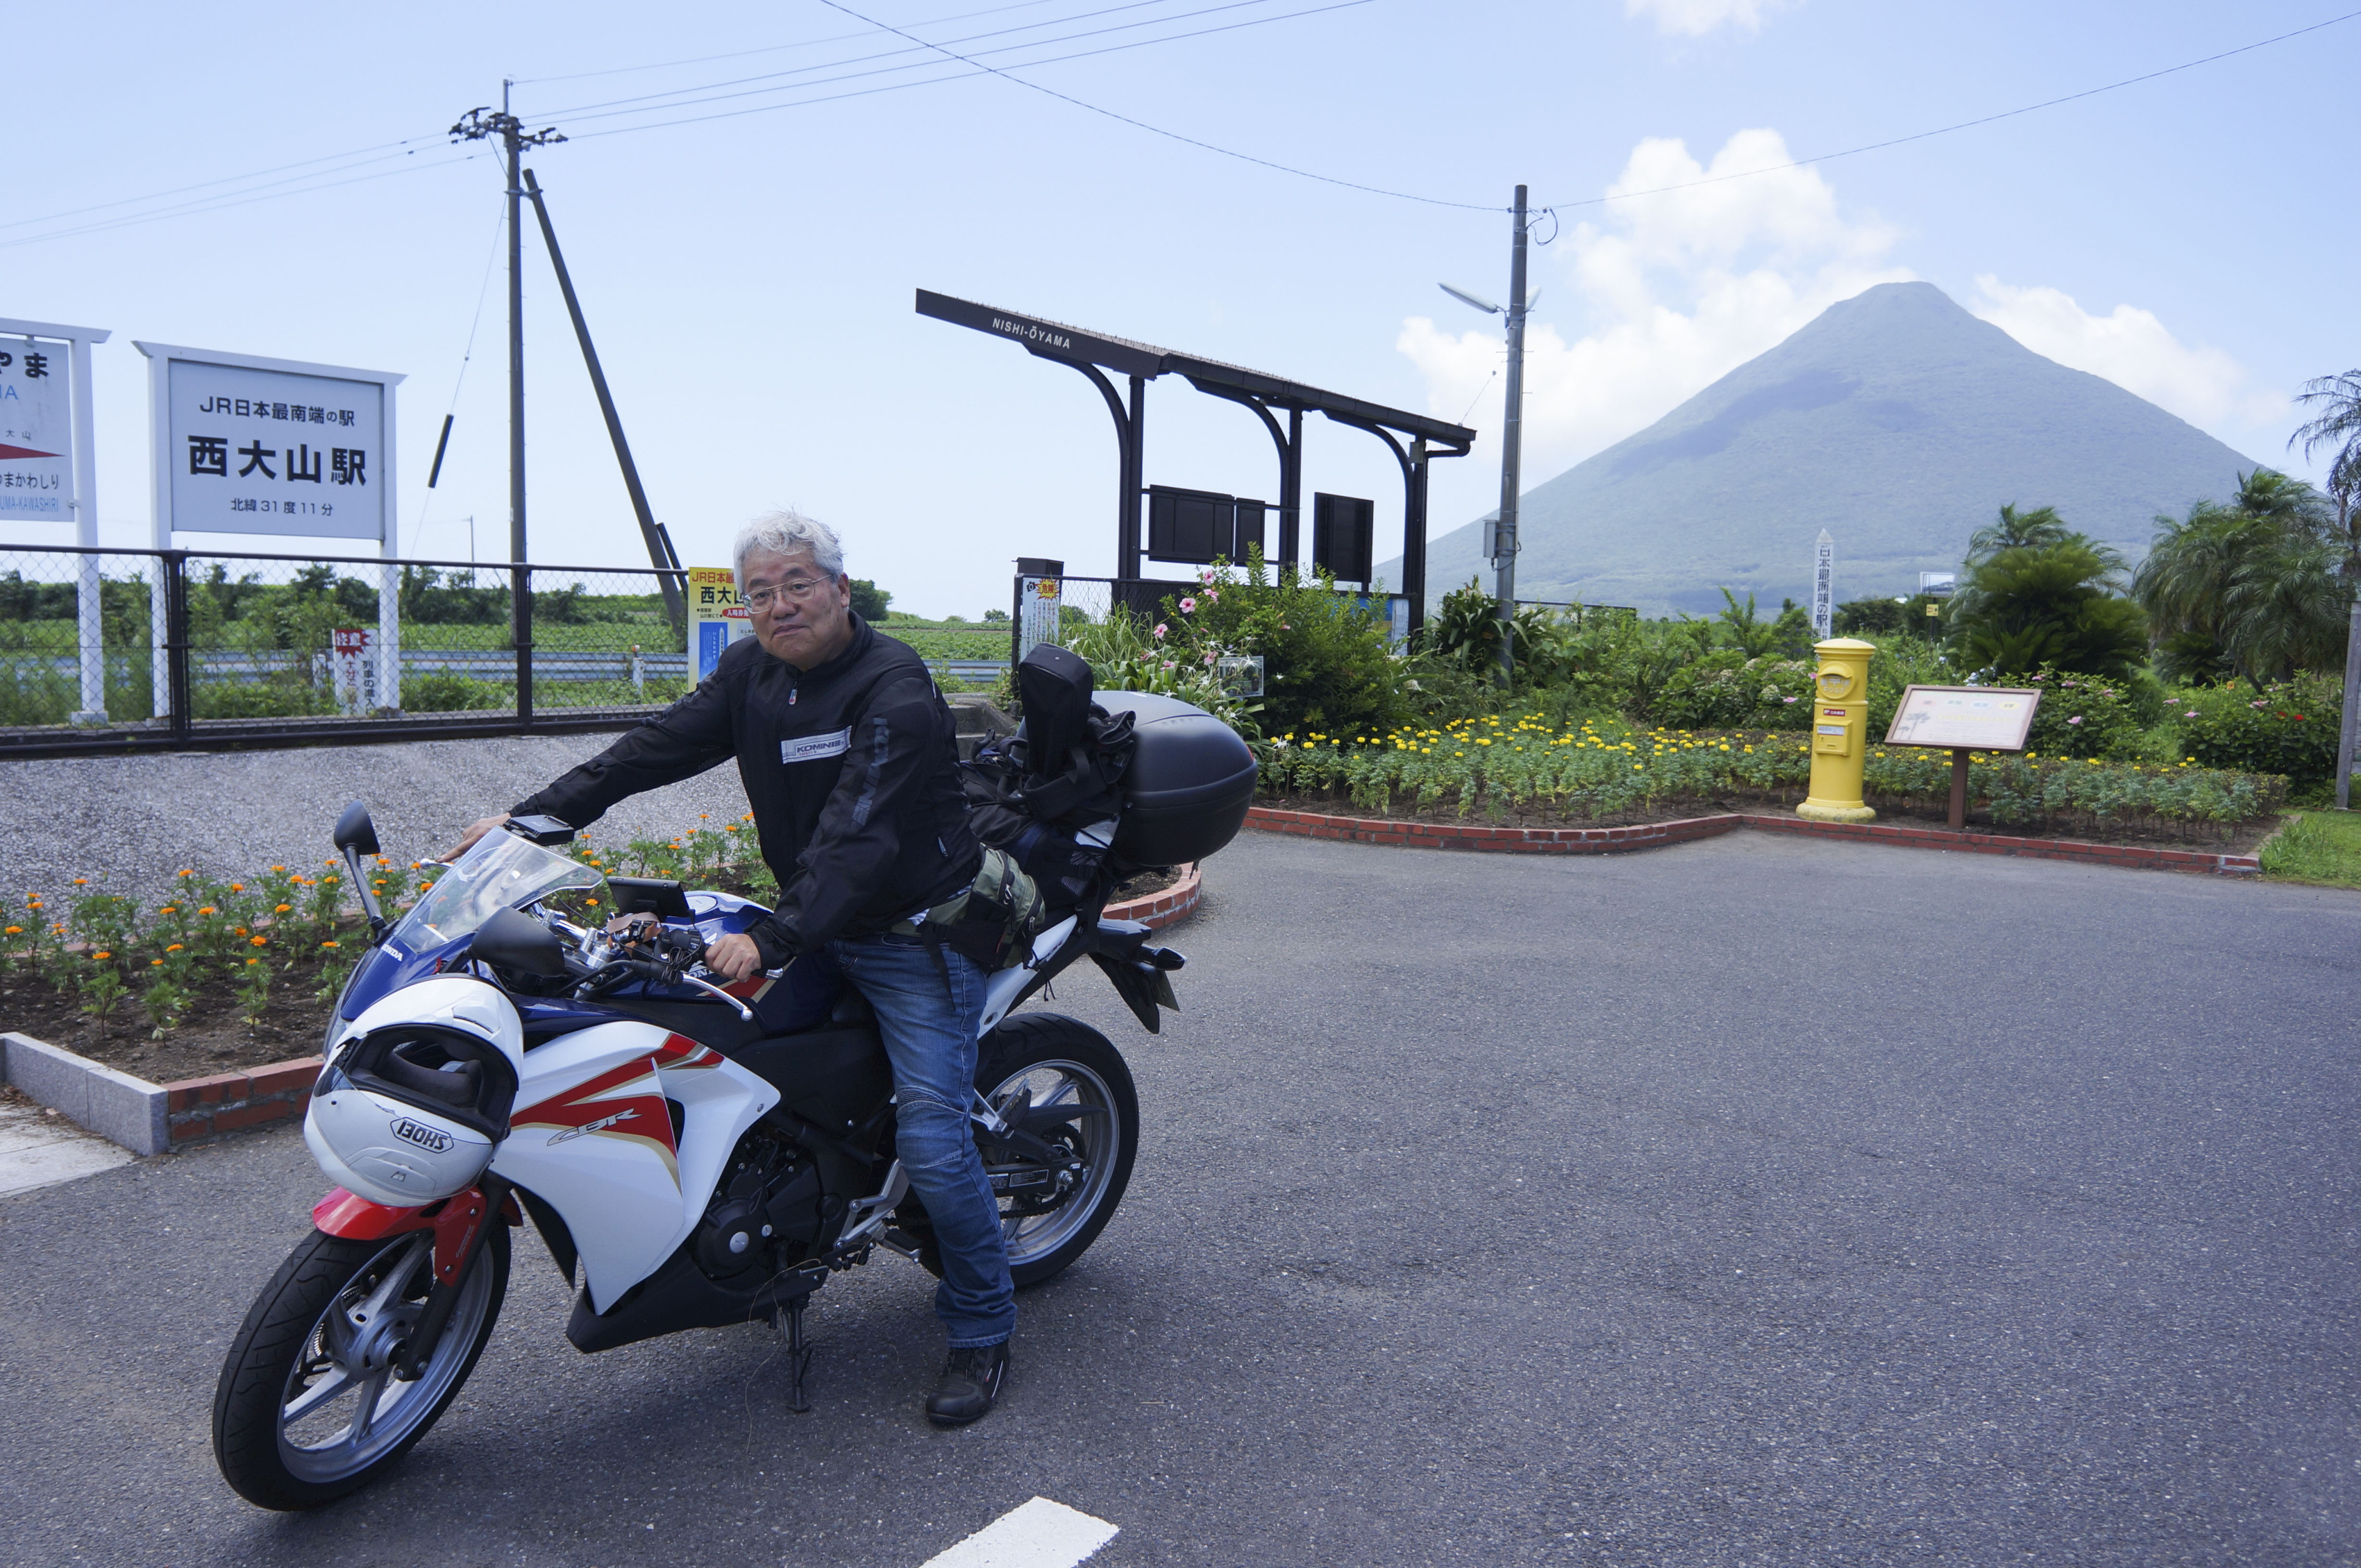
(799, 590)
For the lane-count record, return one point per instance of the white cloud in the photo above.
(2130, 347)
(1697, 17)
(1673, 291)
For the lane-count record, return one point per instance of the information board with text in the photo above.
(1974, 718)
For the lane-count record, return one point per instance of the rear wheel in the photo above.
(309, 1406)
(1062, 1082)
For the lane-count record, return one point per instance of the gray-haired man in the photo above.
(848, 760)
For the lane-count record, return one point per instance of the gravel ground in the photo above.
(232, 812)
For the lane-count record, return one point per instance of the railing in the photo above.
(105, 650)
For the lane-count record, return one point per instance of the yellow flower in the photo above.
(280, 870)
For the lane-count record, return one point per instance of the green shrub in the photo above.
(1326, 662)
(2082, 716)
(2288, 727)
(1727, 690)
(445, 693)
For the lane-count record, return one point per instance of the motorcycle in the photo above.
(508, 1050)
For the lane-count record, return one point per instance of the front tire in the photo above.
(308, 1408)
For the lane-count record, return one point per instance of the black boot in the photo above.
(972, 1381)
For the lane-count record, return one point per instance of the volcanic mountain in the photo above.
(1896, 420)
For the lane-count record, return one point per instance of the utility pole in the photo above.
(1504, 534)
(482, 124)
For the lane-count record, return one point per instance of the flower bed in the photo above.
(1526, 772)
(227, 975)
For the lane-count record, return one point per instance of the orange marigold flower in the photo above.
(208, 909)
(100, 956)
(280, 870)
(16, 930)
(155, 963)
(187, 870)
(259, 941)
(82, 882)
(237, 887)
(280, 908)
(173, 949)
(251, 962)
(327, 944)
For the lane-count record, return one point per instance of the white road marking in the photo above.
(41, 1150)
(1041, 1534)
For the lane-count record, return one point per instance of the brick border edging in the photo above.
(156, 1118)
(1412, 834)
(1169, 907)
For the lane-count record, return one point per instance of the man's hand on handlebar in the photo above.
(733, 958)
(474, 831)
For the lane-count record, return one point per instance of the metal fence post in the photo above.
(176, 638)
(521, 591)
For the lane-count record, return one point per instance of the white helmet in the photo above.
(417, 1094)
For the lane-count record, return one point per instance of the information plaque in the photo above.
(1963, 720)
(1969, 719)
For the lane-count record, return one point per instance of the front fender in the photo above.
(454, 1220)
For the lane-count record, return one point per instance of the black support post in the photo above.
(1136, 458)
(176, 638)
(521, 590)
(1414, 536)
(1291, 490)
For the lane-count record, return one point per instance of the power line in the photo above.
(1158, 130)
(224, 203)
(1964, 124)
(483, 290)
(380, 148)
(582, 111)
(977, 62)
(768, 48)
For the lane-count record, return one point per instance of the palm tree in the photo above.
(2337, 425)
(2251, 588)
(2047, 602)
(2016, 531)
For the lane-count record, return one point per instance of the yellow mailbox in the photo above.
(1840, 732)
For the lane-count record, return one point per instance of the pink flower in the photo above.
(1209, 658)
(1162, 629)
(1189, 606)
(2076, 719)
(1213, 597)
(1786, 700)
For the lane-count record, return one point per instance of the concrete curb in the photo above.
(117, 1106)
(1418, 835)
(1171, 906)
(154, 1118)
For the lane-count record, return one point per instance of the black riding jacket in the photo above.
(852, 769)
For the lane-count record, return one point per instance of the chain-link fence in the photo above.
(115, 649)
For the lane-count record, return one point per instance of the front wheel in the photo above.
(309, 1406)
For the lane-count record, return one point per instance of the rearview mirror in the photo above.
(512, 940)
(354, 831)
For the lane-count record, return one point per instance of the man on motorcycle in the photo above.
(848, 760)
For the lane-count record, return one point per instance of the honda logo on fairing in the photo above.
(598, 1127)
(431, 1139)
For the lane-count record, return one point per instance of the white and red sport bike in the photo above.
(499, 1054)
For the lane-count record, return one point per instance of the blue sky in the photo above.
(750, 279)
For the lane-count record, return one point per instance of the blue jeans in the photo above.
(929, 1034)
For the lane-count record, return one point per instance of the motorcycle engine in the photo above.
(765, 1210)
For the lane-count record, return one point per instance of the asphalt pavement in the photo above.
(1756, 1201)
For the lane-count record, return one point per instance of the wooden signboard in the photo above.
(1975, 719)
(1964, 720)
